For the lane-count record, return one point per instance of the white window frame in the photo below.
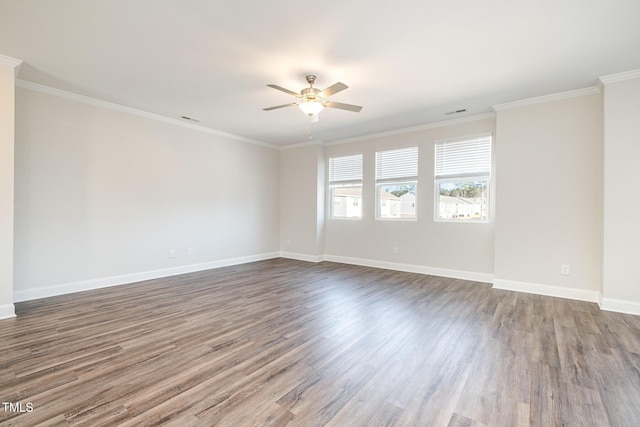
(461, 170)
(392, 169)
(345, 171)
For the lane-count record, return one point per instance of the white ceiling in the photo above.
(407, 62)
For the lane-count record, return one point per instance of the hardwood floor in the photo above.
(284, 342)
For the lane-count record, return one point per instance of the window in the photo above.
(462, 176)
(396, 183)
(345, 186)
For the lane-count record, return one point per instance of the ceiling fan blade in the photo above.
(333, 89)
(290, 92)
(340, 105)
(279, 106)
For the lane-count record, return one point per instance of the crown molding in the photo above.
(620, 77)
(547, 98)
(401, 131)
(10, 62)
(133, 111)
(303, 144)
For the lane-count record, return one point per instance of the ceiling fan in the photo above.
(312, 100)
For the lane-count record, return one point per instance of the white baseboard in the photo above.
(302, 257)
(412, 268)
(86, 285)
(7, 311)
(608, 304)
(548, 290)
(620, 306)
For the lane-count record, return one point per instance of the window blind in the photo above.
(463, 158)
(399, 163)
(345, 168)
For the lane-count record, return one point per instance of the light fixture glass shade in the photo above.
(311, 108)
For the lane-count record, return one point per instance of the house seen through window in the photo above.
(396, 183)
(345, 186)
(462, 176)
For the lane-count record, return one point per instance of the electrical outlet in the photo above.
(394, 250)
(172, 253)
(564, 269)
(189, 251)
(288, 242)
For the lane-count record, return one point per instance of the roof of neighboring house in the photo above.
(386, 195)
(347, 192)
(455, 200)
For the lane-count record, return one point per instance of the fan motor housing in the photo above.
(310, 93)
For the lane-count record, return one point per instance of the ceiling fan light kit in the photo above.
(311, 108)
(312, 100)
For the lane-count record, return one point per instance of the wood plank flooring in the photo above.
(283, 342)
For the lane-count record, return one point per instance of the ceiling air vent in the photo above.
(450, 113)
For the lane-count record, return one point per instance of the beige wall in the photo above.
(101, 193)
(302, 201)
(549, 194)
(621, 201)
(423, 245)
(7, 91)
